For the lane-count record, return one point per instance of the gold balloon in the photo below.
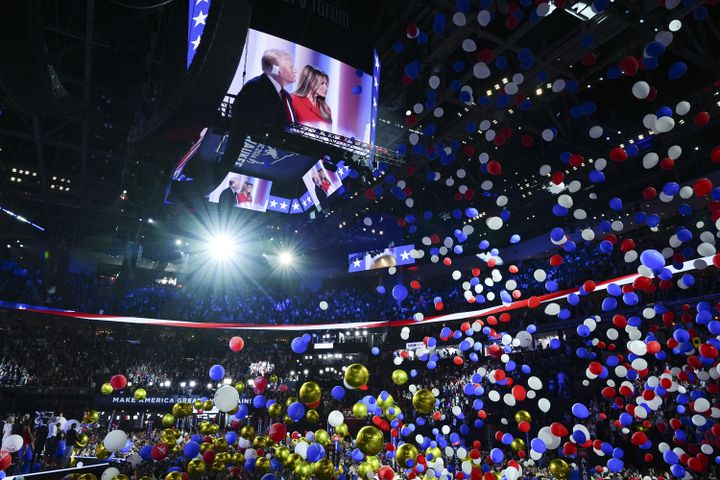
(290, 400)
(168, 436)
(356, 375)
(433, 453)
(517, 444)
(423, 401)
(120, 477)
(196, 467)
(310, 392)
(522, 416)
(87, 476)
(214, 428)
(207, 405)
(282, 453)
(179, 410)
(224, 457)
(364, 470)
(359, 410)
(168, 420)
(238, 458)
(198, 404)
(262, 466)
(287, 420)
(275, 410)
(176, 449)
(106, 389)
(220, 444)
(302, 471)
(323, 469)
(273, 378)
(342, 430)
(173, 476)
(218, 466)
(247, 432)
(101, 452)
(370, 440)
(92, 416)
(322, 437)
(399, 377)
(240, 387)
(82, 440)
(405, 452)
(374, 463)
(140, 394)
(559, 468)
(387, 403)
(292, 460)
(205, 446)
(312, 416)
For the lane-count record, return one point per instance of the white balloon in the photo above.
(535, 383)
(115, 440)
(300, 449)
(674, 152)
(650, 160)
(548, 135)
(558, 85)
(641, 90)
(109, 473)
(494, 223)
(664, 124)
(481, 70)
(469, 45)
(434, 82)
(596, 131)
(226, 398)
(335, 418)
(664, 37)
(588, 235)
(649, 121)
(574, 186)
(459, 19)
(439, 112)
(565, 201)
(501, 201)
(12, 443)
(483, 18)
(543, 9)
(675, 25)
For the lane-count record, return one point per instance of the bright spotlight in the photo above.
(285, 258)
(221, 247)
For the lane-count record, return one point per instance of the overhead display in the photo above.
(320, 179)
(324, 93)
(242, 191)
(381, 258)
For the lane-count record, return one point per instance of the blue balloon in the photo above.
(296, 411)
(231, 438)
(580, 411)
(497, 455)
(315, 452)
(399, 292)
(145, 452)
(615, 465)
(380, 289)
(538, 445)
(298, 346)
(242, 411)
(652, 259)
(677, 70)
(217, 372)
(192, 449)
(616, 204)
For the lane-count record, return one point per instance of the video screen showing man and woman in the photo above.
(315, 90)
(242, 191)
(320, 179)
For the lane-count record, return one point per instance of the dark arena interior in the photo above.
(359, 239)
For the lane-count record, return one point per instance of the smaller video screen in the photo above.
(381, 258)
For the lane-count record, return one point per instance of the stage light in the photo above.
(221, 246)
(286, 258)
(178, 242)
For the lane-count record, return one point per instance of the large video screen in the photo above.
(320, 179)
(242, 191)
(327, 94)
(381, 258)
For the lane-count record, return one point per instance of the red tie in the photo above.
(287, 103)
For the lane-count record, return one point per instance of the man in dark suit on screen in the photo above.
(263, 106)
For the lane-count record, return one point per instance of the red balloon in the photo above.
(494, 167)
(458, 360)
(414, 284)
(649, 193)
(556, 260)
(588, 59)
(118, 382)
(208, 456)
(715, 155)
(702, 118)
(524, 426)
(5, 459)
(386, 473)
(557, 177)
(618, 154)
(237, 344)
(589, 286)
(160, 451)
(519, 392)
(558, 429)
(533, 302)
(707, 350)
(260, 385)
(667, 163)
(277, 431)
(629, 65)
(703, 187)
